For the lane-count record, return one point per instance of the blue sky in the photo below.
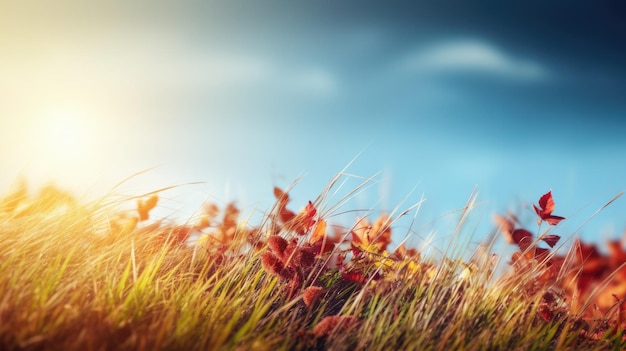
(437, 96)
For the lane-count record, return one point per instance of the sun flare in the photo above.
(64, 135)
(59, 142)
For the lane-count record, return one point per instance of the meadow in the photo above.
(99, 276)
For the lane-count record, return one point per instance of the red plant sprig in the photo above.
(288, 260)
(530, 254)
(300, 223)
(546, 206)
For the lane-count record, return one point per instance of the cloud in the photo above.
(472, 56)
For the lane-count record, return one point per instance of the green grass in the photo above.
(88, 277)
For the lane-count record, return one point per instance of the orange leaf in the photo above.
(281, 195)
(360, 233)
(376, 236)
(286, 215)
(144, 207)
(319, 232)
(321, 243)
(402, 252)
(505, 225)
(381, 233)
(180, 234)
(304, 220)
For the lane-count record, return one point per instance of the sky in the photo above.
(434, 99)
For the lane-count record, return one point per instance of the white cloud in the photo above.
(475, 56)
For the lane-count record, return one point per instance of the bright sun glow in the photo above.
(64, 135)
(58, 144)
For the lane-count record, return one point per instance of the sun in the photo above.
(64, 135)
(63, 145)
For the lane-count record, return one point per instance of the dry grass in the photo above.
(88, 277)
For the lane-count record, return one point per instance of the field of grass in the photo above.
(90, 276)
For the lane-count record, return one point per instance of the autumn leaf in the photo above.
(505, 225)
(376, 236)
(541, 254)
(302, 222)
(355, 277)
(180, 234)
(208, 214)
(281, 195)
(285, 215)
(551, 239)
(402, 252)
(546, 206)
(381, 232)
(320, 242)
(144, 207)
(521, 237)
(319, 233)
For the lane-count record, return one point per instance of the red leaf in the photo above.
(281, 195)
(516, 256)
(551, 240)
(354, 277)
(305, 218)
(321, 247)
(285, 215)
(523, 238)
(553, 220)
(319, 241)
(546, 202)
(180, 234)
(546, 206)
(541, 253)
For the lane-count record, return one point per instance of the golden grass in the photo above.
(89, 277)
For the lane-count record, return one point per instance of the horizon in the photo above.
(439, 97)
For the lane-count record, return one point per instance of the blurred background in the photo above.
(433, 98)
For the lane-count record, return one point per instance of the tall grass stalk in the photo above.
(75, 280)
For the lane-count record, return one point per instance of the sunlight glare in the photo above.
(61, 145)
(64, 135)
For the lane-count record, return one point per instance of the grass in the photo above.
(91, 277)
